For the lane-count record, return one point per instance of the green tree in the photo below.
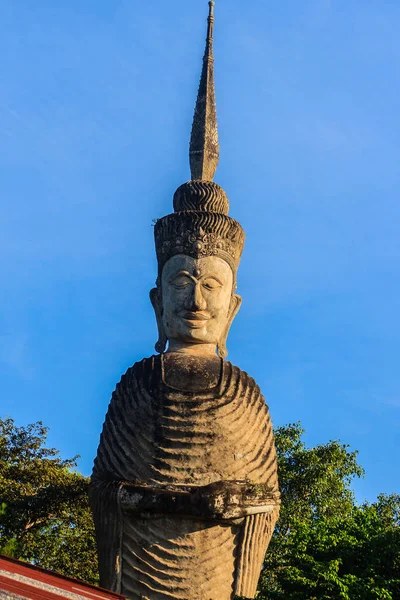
(325, 545)
(44, 512)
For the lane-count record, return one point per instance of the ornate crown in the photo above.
(198, 232)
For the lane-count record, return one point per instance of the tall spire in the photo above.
(204, 147)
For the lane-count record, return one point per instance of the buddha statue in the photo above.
(184, 489)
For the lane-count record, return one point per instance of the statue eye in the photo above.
(211, 284)
(180, 282)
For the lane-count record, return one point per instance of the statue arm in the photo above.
(217, 501)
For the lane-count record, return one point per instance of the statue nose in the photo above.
(197, 299)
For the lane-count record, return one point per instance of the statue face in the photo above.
(197, 302)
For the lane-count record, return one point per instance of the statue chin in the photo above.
(190, 336)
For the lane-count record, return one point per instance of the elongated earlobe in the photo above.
(236, 303)
(157, 305)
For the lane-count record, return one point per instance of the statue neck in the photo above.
(191, 373)
(192, 349)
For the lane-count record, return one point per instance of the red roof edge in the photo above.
(20, 567)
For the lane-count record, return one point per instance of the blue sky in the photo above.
(96, 104)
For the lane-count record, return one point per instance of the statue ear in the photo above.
(155, 297)
(236, 303)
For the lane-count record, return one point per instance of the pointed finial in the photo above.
(204, 147)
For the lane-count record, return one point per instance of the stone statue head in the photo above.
(195, 304)
(198, 251)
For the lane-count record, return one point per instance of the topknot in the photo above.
(201, 196)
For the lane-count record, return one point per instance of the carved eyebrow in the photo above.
(180, 273)
(189, 276)
(212, 277)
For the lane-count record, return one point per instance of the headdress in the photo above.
(200, 225)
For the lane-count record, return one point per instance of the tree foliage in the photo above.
(325, 546)
(44, 512)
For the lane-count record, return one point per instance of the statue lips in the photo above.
(195, 319)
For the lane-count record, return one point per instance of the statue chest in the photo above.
(188, 424)
(200, 420)
(197, 437)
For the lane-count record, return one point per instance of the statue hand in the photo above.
(220, 500)
(234, 499)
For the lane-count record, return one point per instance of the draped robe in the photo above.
(180, 421)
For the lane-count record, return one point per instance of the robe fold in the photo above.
(181, 421)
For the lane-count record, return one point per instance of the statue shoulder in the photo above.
(236, 377)
(143, 371)
(241, 375)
